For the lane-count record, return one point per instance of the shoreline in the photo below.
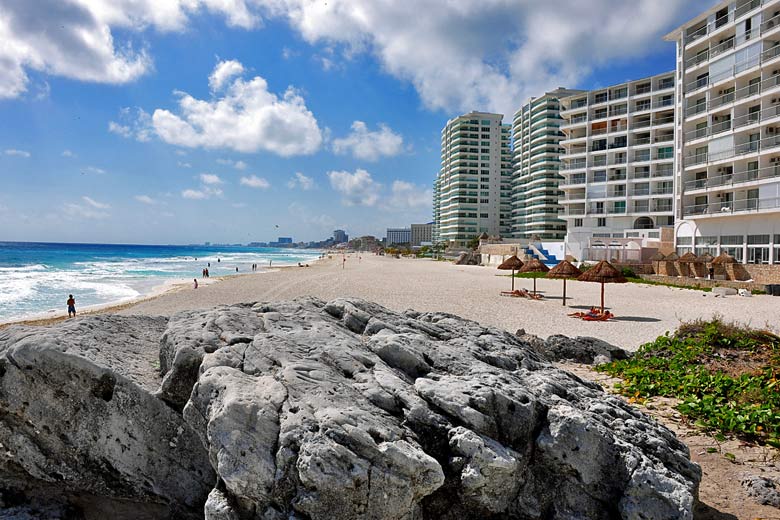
(167, 287)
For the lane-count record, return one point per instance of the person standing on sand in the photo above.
(195, 285)
(71, 306)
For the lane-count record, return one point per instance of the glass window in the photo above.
(758, 239)
(601, 222)
(684, 241)
(732, 240)
(758, 255)
(736, 252)
(577, 222)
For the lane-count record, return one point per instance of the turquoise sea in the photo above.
(36, 278)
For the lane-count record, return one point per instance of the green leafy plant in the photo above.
(726, 377)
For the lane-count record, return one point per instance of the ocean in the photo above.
(36, 278)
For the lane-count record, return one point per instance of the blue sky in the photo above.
(217, 121)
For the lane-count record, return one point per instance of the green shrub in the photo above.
(725, 375)
(628, 272)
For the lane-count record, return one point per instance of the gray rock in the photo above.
(347, 409)
(586, 350)
(77, 412)
(313, 410)
(469, 258)
(764, 490)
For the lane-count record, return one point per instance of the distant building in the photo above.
(285, 240)
(421, 233)
(281, 242)
(399, 235)
(207, 244)
(339, 236)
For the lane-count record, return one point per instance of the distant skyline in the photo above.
(205, 120)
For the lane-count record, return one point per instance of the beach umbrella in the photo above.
(603, 272)
(534, 266)
(564, 270)
(672, 257)
(687, 258)
(705, 258)
(659, 256)
(512, 263)
(724, 258)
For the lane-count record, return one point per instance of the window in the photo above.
(483, 215)
(485, 122)
(601, 222)
(484, 201)
(732, 240)
(577, 222)
(684, 241)
(758, 255)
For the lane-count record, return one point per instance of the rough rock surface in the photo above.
(77, 417)
(469, 258)
(582, 349)
(313, 410)
(764, 490)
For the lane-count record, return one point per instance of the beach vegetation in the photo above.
(725, 376)
(473, 244)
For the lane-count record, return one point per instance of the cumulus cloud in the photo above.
(224, 71)
(95, 170)
(181, 164)
(209, 187)
(238, 165)
(17, 153)
(69, 154)
(145, 199)
(210, 179)
(253, 181)
(247, 118)
(405, 195)
(96, 40)
(369, 145)
(490, 54)
(134, 124)
(301, 181)
(356, 189)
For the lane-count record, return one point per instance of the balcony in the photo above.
(734, 178)
(741, 149)
(738, 68)
(746, 205)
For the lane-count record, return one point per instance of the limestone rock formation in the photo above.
(469, 258)
(582, 349)
(77, 417)
(314, 410)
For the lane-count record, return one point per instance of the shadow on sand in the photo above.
(705, 512)
(641, 319)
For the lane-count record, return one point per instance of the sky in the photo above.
(184, 121)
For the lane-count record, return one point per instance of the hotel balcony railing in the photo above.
(641, 141)
(641, 208)
(767, 55)
(663, 191)
(734, 178)
(741, 149)
(640, 157)
(574, 180)
(664, 138)
(662, 208)
(641, 191)
(641, 175)
(666, 172)
(643, 90)
(705, 30)
(645, 105)
(732, 206)
(663, 103)
(616, 211)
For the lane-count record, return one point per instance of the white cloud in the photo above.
(406, 195)
(17, 153)
(357, 189)
(183, 164)
(238, 165)
(488, 54)
(253, 181)
(135, 124)
(367, 145)
(95, 170)
(224, 71)
(116, 128)
(238, 205)
(91, 209)
(194, 194)
(68, 153)
(94, 203)
(145, 199)
(301, 181)
(210, 179)
(248, 118)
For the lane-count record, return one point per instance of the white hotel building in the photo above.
(618, 163)
(728, 131)
(473, 189)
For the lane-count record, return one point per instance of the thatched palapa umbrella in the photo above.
(688, 259)
(705, 258)
(534, 266)
(723, 259)
(603, 272)
(672, 257)
(512, 263)
(657, 257)
(564, 270)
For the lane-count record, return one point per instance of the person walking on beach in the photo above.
(195, 284)
(71, 306)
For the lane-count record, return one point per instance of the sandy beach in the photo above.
(643, 311)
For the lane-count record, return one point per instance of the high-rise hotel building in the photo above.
(536, 193)
(472, 192)
(728, 131)
(618, 162)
